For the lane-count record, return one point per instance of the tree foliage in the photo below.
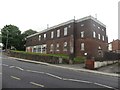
(14, 36)
(29, 32)
(12, 33)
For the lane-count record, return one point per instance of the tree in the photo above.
(24, 35)
(29, 32)
(11, 37)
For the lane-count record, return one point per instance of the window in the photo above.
(58, 33)
(110, 47)
(102, 29)
(98, 27)
(94, 25)
(69, 26)
(39, 37)
(44, 48)
(94, 35)
(34, 49)
(52, 34)
(99, 48)
(65, 31)
(82, 46)
(44, 36)
(57, 47)
(39, 48)
(98, 36)
(82, 25)
(103, 38)
(51, 47)
(65, 46)
(82, 34)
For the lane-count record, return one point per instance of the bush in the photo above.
(64, 56)
(79, 59)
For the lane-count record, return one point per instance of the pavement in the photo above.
(113, 68)
(106, 70)
(18, 73)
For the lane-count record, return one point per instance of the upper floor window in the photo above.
(94, 25)
(94, 34)
(39, 37)
(98, 36)
(98, 27)
(69, 26)
(52, 34)
(102, 29)
(103, 38)
(65, 31)
(82, 46)
(82, 34)
(45, 36)
(65, 46)
(82, 25)
(58, 33)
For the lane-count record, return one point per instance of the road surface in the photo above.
(17, 74)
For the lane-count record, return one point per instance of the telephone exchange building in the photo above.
(85, 35)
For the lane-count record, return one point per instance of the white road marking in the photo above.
(11, 66)
(76, 80)
(15, 78)
(19, 68)
(5, 65)
(53, 76)
(103, 85)
(36, 84)
(68, 79)
(35, 71)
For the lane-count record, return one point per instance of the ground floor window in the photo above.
(65, 46)
(82, 46)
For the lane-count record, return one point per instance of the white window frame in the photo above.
(94, 34)
(103, 38)
(58, 33)
(52, 34)
(65, 46)
(57, 47)
(44, 35)
(98, 27)
(69, 26)
(82, 46)
(94, 25)
(98, 36)
(44, 46)
(82, 25)
(39, 37)
(51, 47)
(82, 34)
(65, 31)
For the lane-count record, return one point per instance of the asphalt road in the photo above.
(17, 74)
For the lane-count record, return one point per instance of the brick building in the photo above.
(114, 46)
(75, 37)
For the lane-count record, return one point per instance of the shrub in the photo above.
(80, 59)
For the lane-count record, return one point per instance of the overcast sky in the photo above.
(36, 14)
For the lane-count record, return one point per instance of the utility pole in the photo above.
(7, 41)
